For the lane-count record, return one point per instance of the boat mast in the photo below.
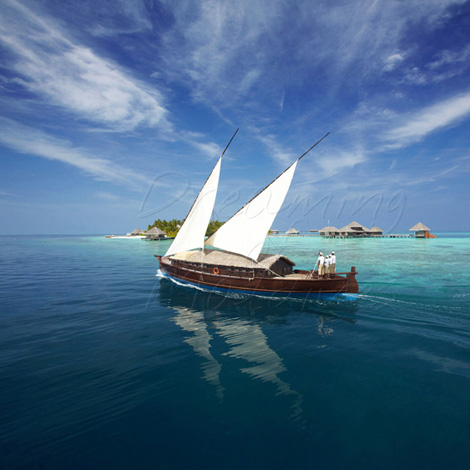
(314, 145)
(254, 197)
(193, 230)
(225, 239)
(222, 154)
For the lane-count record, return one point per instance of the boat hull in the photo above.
(343, 283)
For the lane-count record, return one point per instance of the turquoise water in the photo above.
(105, 365)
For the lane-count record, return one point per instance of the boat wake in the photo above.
(426, 316)
(238, 295)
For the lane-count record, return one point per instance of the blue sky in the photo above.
(113, 112)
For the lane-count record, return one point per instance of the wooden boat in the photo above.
(236, 263)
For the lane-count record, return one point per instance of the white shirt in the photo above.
(321, 260)
(327, 261)
(333, 259)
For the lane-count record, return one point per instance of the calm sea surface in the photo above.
(105, 365)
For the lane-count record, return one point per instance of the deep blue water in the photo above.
(105, 365)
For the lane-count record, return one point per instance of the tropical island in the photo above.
(171, 227)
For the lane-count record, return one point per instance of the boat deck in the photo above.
(306, 275)
(293, 276)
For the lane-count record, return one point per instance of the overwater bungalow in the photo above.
(421, 231)
(376, 232)
(329, 231)
(135, 232)
(292, 231)
(357, 230)
(155, 234)
(354, 229)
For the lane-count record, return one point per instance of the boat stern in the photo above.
(353, 286)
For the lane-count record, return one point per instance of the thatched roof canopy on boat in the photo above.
(292, 231)
(223, 258)
(419, 227)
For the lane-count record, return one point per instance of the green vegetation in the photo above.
(213, 226)
(171, 227)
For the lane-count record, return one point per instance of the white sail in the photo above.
(192, 233)
(245, 232)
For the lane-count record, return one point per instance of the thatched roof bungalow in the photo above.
(345, 231)
(419, 227)
(329, 231)
(155, 233)
(374, 231)
(292, 231)
(354, 229)
(421, 231)
(137, 231)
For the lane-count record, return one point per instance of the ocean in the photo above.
(104, 364)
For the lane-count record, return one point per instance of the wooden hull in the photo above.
(297, 283)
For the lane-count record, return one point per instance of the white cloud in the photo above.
(276, 150)
(326, 166)
(215, 47)
(448, 57)
(108, 196)
(195, 139)
(417, 76)
(332, 164)
(448, 64)
(210, 149)
(241, 52)
(392, 61)
(362, 37)
(7, 194)
(122, 16)
(428, 120)
(30, 141)
(72, 76)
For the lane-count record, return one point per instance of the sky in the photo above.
(114, 112)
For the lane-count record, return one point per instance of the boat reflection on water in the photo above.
(238, 320)
(263, 308)
(193, 322)
(247, 341)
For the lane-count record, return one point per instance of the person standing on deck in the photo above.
(327, 266)
(321, 264)
(333, 263)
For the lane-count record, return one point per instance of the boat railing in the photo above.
(250, 273)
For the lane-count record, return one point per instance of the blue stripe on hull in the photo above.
(320, 295)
